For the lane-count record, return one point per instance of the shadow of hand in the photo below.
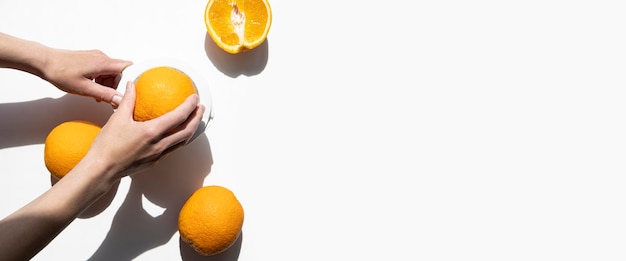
(134, 231)
(168, 185)
(27, 123)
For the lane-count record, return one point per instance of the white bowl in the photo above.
(137, 68)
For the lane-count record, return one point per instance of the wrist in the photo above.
(99, 173)
(42, 60)
(24, 55)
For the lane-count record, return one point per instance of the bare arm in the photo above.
(87, 73)
(123, 147)
(28, 230)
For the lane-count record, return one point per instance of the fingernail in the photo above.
(116, 100)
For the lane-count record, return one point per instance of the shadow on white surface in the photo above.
(29, 122)
(187, 253)
(167, 185)
(251, 62)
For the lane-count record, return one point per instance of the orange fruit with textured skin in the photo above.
(160, 90)
(238, 25)
(67, 144)
(211, 220)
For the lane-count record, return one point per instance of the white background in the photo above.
(398, 130)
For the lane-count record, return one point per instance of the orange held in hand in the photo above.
(238, 25)
(67, 144)
(211, 220)
(160, 90)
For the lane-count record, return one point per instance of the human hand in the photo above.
(127, 146)
(88, 73)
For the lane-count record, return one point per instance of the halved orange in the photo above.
(238, 25)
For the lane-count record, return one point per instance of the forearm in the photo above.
(31, 228)
(24, 55)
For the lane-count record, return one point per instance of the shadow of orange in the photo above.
(251, 62)
(168, 184)
(29, 122)
(187, 253)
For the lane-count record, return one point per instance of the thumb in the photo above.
(127, 103)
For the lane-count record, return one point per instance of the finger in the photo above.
(102, 93)
(127, 103)
(182, 134)
(186, 130)
(195, 123)
(177, 116)
(197, 127)
(114, 67)
(110, 81)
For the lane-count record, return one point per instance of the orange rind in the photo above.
(238, 25)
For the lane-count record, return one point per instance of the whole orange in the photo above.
(211, 220)
(159, 91)
(67, 144)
